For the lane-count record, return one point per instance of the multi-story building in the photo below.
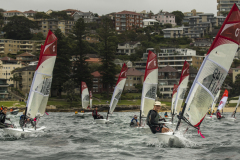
(134, 77)
(3, 88)
(25, 77)
(87, 16)
(26, 58)
(121, 62)
(126, 20)
(13, 46)
(175, 32)
(97, 83)
(190, 14)
(7, 65)
(164, 18)
(225, 5)
(11, 13)
(235, 72)
(146, 15)
(69, 26)
(149, 22)
(127, 48)
(70, 12)
(29, 13)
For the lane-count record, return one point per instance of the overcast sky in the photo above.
(108, 6)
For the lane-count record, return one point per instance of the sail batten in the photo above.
(150, 84)
(118, 88)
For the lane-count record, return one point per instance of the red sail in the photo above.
(175, 87)
(84, 86)
(185, 72)
(151, 63)
(48, 49)
(123, 73)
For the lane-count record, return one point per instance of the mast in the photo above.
(213, 71)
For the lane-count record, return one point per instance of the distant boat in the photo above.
(85, 97)
(41, 85)
(116, 94)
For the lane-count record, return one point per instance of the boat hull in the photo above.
(19, 132)
(102, 121)
(169, 138)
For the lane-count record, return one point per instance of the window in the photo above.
(173, 74)
(138, 78)
(169, 73)
(29, 72)
(159, 74)
(134, 78)
(126, 84)
(29, 79)
(236, 70)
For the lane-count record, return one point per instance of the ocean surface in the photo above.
(69, 137)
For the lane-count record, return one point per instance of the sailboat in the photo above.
(90, 94)
(149, 85)
(181, 90)
(41, 85)
(223, 101)
(212, 72)
(213, 106)
(85, 99)
(174, 95)
(233, 115)
(116, 94)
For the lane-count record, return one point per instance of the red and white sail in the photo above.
(41, 84)
(213, 70)
(85, 95)
(150, 84)
(174, 95)
(90, 94)
(215, 101)
(118, 88)
(223, 101)
(182, 88)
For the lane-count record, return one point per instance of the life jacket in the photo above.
(156, 118)
(219, 115)
(94, 113)
(1, 108)
(134, 119)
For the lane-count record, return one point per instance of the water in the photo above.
(71, 137)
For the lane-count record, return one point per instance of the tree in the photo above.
(107, 46)
(41, 15)
(38, 36)
(19, 27)
(61, 15)
(61, 71)
(95, 15)
(138, 87)
(69, 87)
(81, 71)
(178, 17)
(224, 13)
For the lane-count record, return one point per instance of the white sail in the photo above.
(182, 88)
(85, 95)
(213, 70)
(237, 104)
(215, 101)
(174, 95)
(150, 84)
(41, 84)
(223, 101)
(119, 88)
(90, 93)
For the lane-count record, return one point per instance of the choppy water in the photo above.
(71, 137)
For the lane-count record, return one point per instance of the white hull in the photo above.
(19, 132)
(231, 119)
(167, 117)
(211, 117)
(86, 114)
(102, 121)
(169, 138)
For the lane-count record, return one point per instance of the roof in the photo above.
(134, 72)
(13, 11)
(230, 71)
(30, 11)
(28, 68)
(150, 20)
(26, 54)
(167, 69)
(96, 74)
(169, 14)
(7, 59)
(93, 60)
(128, 12)
(192, 70)
(73, 10)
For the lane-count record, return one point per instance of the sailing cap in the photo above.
(157, 103)
(135, 116)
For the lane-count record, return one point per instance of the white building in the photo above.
(127, 48)
(149, 22)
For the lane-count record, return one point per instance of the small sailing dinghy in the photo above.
(178, 96)
(212, 72)
(14, 112)
(116, 94)
(233, 116)
(149, 87)
(213, 106)
(223, 101)
(40, 88)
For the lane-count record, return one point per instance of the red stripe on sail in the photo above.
(151, 63)
(51, 50)
(123, 73)
(198, 124)
(83, 86)
(230, 32)
(175, 87)
(185, 72)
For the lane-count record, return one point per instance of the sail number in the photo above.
(46, 85)
(217, 77)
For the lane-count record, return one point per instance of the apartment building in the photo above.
(190, 14)
(25, 77)
(87, 16)
(26, 58)
(7, 65)
(69, 26)
(29, 13)
(134, 77)
(235, 72)
(3, 88)
(120, 63)
(13, 46)
(175, 32)
(126, 20)
(127, 48)
(225, 5)
(70, 12)
(149, 22)
(11, 13)
(97, 83)
(146, 15)
(164, 18)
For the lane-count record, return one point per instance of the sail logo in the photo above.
(151, 93)
(237, 32)
(123, 73)
(46, 85)
(154, 62)
(86, 98)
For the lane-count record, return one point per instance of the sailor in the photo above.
(3, 118)
(134, 122)
(165, 114)
(219, 116)
(1, 108)
(96, 115)
(25, 120)
(209, 112)
(213, 112)
(233, 114)
(153, 118)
